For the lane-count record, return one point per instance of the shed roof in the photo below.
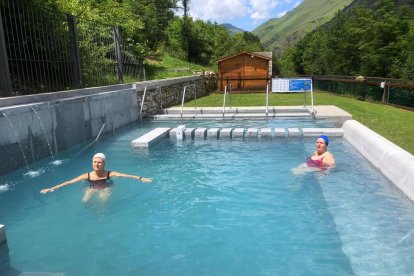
(263, 55)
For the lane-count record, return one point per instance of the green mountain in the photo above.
(278, 34)
(231, 28)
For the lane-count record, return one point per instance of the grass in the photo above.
(395, 124)
(165, 66)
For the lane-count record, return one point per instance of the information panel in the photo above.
(291, 85)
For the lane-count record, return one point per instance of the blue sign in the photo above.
(291, 85)
(299, 85)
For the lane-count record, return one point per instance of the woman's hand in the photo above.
(44, 191)
(146, 180)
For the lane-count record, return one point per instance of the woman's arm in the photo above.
(328, 160)
(118, 174)
(52, 189)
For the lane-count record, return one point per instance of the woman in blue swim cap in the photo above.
(321, 158)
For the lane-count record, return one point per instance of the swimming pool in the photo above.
(215, 207)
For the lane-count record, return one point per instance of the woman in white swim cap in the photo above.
(99, 179)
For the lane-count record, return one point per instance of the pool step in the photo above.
(232, 113)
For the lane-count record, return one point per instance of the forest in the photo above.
(373, 39)
(152, 26)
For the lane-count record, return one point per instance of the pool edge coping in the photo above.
(391, 160)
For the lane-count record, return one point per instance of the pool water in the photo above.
(215, 207)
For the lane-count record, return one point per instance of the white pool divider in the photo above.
(266, 133)
(252, 132)
(238, 133)
(149, 138)
(225, 133)
(393, 162)
(181, 132)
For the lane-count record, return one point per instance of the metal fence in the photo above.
(386, 90)
(42, 50)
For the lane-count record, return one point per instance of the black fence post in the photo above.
(118, 55)
(77, 74)
(5, 80)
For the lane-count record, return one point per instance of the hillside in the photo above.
(232, 29)
(278, 34)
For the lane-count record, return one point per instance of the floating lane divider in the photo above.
(232, 133)
(151, 137)
(255, 133)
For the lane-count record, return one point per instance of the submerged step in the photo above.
(336, 132)
(149, 138)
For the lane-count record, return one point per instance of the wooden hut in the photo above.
(245, 71)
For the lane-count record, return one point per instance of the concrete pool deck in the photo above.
(330, 112)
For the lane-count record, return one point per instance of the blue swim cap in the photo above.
(325, 138)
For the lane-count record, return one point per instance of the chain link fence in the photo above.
(42, 50)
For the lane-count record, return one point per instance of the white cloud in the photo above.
(218, 10)
(246, 13)
(262, 9)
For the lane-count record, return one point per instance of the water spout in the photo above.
(18, 140)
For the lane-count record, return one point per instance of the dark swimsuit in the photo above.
(100, 183)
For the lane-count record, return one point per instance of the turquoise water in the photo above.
(214, 208)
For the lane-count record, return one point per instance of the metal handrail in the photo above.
(267, 98)
(313, 112)
(142, 103)
(224, 99)
(230, 96)
(182, 101)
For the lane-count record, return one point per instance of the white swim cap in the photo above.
(100, 155)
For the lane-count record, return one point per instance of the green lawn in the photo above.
(395, 124)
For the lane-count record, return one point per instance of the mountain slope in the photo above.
(232, 29)
(278, 34)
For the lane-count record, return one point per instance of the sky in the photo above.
(244, 14)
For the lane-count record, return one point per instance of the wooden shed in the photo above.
(245, 71)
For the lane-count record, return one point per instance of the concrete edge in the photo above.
(392, 161)
(151, 137)
(51, 96)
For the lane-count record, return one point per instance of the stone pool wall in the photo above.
(36, 126)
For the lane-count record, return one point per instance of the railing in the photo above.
(182, 101)
(224, 98)
(267, 98)
(386, 90)
(313, 112)
(183, 97)
(142, 103)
